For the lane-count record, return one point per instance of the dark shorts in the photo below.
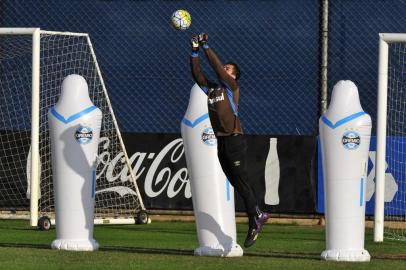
(232, 154)
(232, 151)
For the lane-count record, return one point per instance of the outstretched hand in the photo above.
(194, 42)
(203, 39)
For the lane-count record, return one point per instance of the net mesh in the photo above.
(61, 55)
(395, 212)
(15, 122)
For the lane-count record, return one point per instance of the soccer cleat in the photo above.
(253, 231)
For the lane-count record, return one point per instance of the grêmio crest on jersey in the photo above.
(218, 94)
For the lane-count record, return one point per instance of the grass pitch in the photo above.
(170, 245)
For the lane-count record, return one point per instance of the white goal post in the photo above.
(25, 164)
(385, 68)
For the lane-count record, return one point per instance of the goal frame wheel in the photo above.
(142, 217)
(44, 223)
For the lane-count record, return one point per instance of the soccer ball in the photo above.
(181, 19)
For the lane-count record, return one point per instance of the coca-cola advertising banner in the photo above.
(281, 169)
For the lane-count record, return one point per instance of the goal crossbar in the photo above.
(30, 31)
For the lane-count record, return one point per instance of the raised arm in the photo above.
(197, 73)
(216, 64)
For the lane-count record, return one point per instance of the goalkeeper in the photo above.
(223, 99)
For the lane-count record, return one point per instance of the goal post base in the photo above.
(75, 245)
(346, 255)
(233, 251)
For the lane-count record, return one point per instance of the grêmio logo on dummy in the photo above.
(351, 140)
(208, 137)
(83, 135)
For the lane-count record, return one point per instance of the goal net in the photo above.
(23, 122)
(390, 214)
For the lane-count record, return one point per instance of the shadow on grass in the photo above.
(284, 255)
(286, 237)
(33, 229)
(25, 245)
(383, 256)
(297, 238)
(150, 230)
(24, 227)
(109, 248)
(182, 252)
(143, 250)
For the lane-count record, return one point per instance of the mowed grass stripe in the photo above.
(170, 245)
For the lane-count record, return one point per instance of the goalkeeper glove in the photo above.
(195, 43)
(203, 39)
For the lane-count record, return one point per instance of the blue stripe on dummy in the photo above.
(230, 98)
(361, 192)
(204, 89)
(196, 122)
(93, 183)
(228, 194)
(73, 117)
(342, 121)
(194, 54)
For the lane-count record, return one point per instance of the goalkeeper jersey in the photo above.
(222, 98)
(222, 103)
